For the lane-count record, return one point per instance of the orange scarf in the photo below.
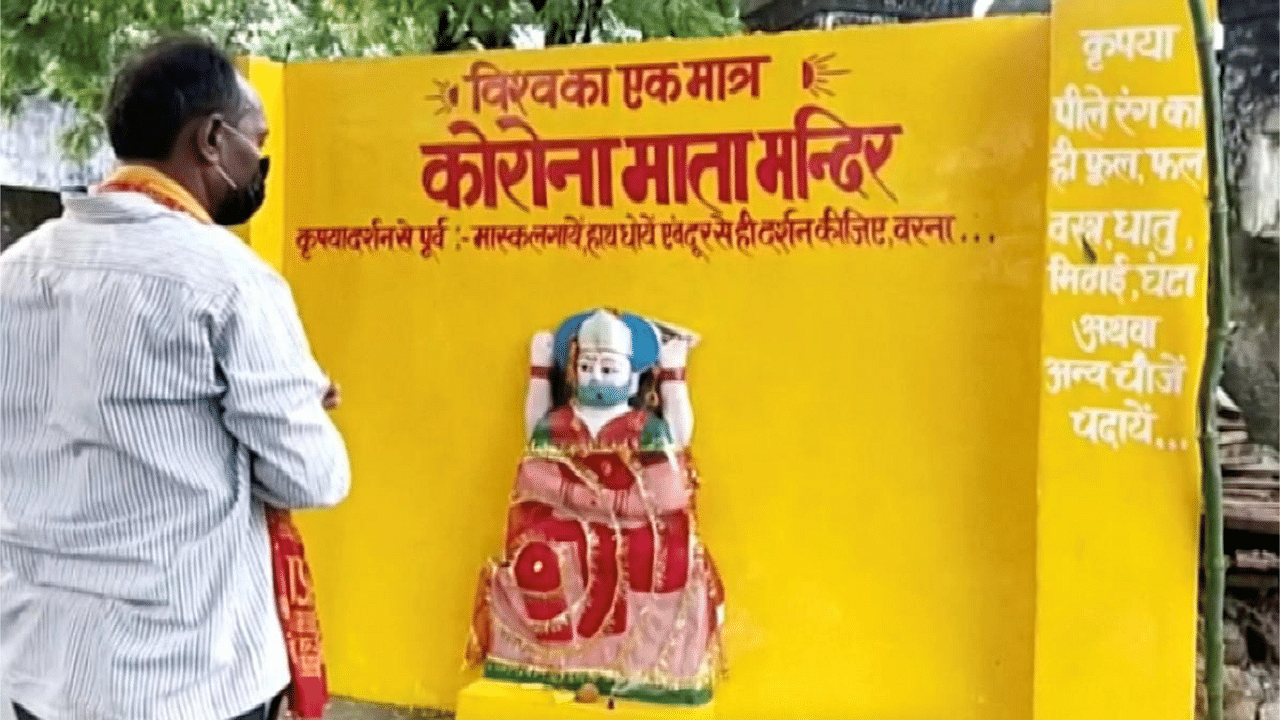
(295, 601)
(157, 186)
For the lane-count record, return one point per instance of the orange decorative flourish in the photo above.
(814, 74)
(446, 95)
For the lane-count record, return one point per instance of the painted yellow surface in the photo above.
(865, 427)
(1116, 560)
(873, 421)
(494, 700)
(265, 230)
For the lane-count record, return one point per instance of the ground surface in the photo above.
(339, 709)
(343, 709)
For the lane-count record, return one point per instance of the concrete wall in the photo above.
(31, 153)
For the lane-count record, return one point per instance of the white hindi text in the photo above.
(1087, 109)
(1139, 375)
(1154, 42)
(1102, 166)
(1154, 229)
(1094, 331)
(1100, 279)
(1115, 426)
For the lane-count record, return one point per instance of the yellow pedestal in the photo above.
(495, 700)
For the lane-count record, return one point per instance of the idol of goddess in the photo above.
(603, 583)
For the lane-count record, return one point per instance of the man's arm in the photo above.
(273, 403)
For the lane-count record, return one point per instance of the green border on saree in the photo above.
(495, 670)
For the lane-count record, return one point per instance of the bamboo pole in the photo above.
(1218, 290)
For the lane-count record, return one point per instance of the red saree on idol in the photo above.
(603, 580)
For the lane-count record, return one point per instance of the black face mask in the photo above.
(240, 203)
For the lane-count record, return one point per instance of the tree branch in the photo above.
(595, 7)
(577, 21)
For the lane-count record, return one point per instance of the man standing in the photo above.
(158, 403)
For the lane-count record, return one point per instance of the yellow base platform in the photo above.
(496, 700)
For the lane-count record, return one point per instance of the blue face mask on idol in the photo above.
(598, 395)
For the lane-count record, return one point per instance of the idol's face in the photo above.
(603, 378)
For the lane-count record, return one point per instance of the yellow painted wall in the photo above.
(864, 425)
(1117, 545)
(265, 230)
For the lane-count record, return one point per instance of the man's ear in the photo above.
(207, 139)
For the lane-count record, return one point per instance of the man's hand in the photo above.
(332, 396)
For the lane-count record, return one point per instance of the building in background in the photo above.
(31, 149)
(778, 15)
(33, 169)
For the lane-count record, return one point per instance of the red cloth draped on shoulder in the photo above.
(295, 600)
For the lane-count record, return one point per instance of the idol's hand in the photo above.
(674, 354)
(542, 349)
(332, 396)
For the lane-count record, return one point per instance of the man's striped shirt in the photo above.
(156, 388)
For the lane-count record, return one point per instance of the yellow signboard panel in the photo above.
(265, 230)
(1123, 344)
(853, 222)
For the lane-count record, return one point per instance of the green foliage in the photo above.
(674, 18)
(67, 51)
